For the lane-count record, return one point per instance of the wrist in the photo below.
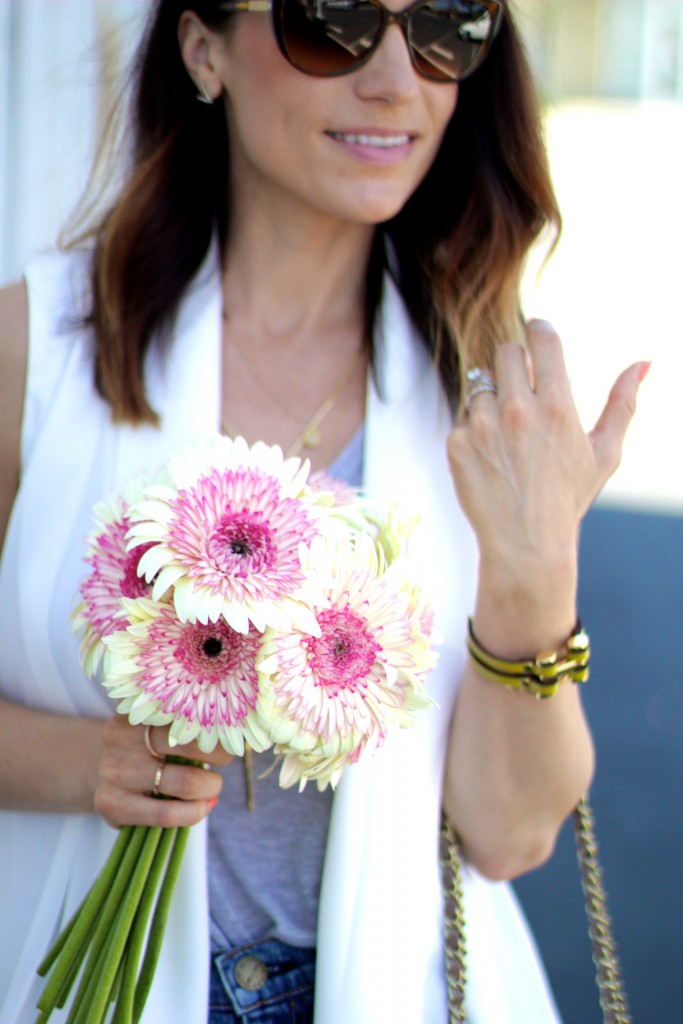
(81, 764)
(515, 616)
(540, 674)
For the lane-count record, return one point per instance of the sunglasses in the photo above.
(447, 39)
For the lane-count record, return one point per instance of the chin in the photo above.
(379, 209)
(382, 200)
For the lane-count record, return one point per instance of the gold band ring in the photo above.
(158, 775)
(159, 758)
(149, 746)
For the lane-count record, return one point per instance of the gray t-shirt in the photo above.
(265, 865)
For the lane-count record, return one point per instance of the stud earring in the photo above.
(203, 96)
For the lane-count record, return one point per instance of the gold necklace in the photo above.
(309, 437)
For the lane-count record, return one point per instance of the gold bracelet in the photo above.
(540, 675)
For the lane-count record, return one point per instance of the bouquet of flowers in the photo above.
(239, 601)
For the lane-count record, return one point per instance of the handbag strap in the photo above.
(454, 921)
(613, 1000)
(608, 970)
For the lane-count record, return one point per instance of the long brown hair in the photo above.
(460, 241)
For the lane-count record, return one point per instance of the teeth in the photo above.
(380, 141)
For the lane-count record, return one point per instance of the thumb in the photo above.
(609, 431)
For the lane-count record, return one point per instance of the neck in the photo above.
(294, 320)
(291, 280)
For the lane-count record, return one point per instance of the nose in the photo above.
(389, 74)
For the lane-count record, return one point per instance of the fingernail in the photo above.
(212, 802)
(643, 371)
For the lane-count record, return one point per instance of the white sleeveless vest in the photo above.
(380, 952)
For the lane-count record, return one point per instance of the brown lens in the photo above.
(328, 38)
(448, 38)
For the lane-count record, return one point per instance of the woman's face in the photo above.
(352, 148)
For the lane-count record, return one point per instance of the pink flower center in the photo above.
(343, 655)
(203, 673)
(133, 585)
(241, 544)
(211, 652)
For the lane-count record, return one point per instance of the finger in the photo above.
(482, 403)
(549, 370)
(130, 768)
(119, 809)
(184, 782)
(480, 392)
(609, 431)
(512, 371)
(158, 738)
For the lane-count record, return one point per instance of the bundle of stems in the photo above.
(112, 943)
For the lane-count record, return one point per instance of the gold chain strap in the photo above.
(608, 972)
(454, 921)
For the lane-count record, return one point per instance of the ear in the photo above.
(197, 49)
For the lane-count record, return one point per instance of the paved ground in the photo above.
(632, 600)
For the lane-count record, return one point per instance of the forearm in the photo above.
(48, 762)
(516, 769)
(516, 765)
(526, 473)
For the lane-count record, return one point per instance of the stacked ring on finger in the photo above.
(151, 749)
(159, 758)
(479, 382)
(158, 775)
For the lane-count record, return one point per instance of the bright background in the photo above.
(611, 75)
(615, 136)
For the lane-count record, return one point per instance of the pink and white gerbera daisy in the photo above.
(340, 494)
(199, 678)
(226, 536)
(113, 575)
(326, 699)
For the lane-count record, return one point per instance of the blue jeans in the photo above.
(262, 983)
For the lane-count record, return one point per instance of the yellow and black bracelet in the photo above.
(540, 675)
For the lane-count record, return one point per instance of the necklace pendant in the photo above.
(311, 438)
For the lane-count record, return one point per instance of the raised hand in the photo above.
(526, 473)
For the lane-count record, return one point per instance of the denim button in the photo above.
(264, 982)
(251, 973)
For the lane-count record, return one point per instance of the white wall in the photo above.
(56, 58)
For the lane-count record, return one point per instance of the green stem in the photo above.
(90, 906)
(107, 914)
(73, 969)
(135, 944)
(159, 921)
(113, 995)
(80, 936)
(87, 932)
(91, 1006)
(81, 1006)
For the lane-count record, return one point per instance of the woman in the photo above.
(312, 256)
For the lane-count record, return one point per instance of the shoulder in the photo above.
(13, 341)
(37, 318)
(13, 363)
(14, 318)
(13, 348)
